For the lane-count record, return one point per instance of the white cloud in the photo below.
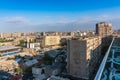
(100, 18)
(58, 24)
(16, 20)
(10, 24)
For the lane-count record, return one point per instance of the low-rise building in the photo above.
(6, 49)
(8, 65)
(35, 46)
(52, 53)
(54, 69)
(30, 51)
(38, 72)
(6, 43)
(30, 62)
(57, 78)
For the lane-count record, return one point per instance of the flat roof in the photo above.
(110, 66)
(4, 48)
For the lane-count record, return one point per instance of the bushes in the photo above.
(4, 40)
(19, 70)
(47, 59)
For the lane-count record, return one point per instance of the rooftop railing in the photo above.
(102, 66)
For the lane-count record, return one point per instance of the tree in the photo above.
(48, 59)
(19, 70)
(21, 43)
(28, 70)
(5, 40)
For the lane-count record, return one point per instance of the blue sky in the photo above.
(45, 15)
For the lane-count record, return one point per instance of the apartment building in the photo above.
(103, 29)
(83, 55)
(51, 41)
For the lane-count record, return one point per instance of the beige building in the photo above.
(8, 66)
(6, 43)
(30, 38)
(51, 41)
(83, 54)
(103, 29)
(30, 51)
(9, 35)
(17, 34)
(5, 35)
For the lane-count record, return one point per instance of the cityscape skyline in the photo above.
(55, 15)
(59, 40)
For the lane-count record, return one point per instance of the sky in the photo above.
(57, 15)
